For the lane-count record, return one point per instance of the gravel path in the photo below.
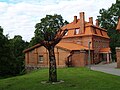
(107, 68)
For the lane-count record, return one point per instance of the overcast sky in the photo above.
(18, 17)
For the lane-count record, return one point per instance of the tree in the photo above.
(50, 22)
(108, 19)
(6, 64)
(17, 47)
(11, 55)
(48, 34)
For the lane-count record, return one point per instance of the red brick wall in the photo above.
(86, 40)
(98, 43)
(79, 40)
(32, 57)
(78, 59)
(118, 56)
(62, 57)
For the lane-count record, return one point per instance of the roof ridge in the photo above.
(31, 48)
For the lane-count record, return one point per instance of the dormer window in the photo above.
(76, 31)
(66, 33)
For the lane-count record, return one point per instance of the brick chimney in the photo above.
(97, 22)
(82, 22)
(75, 19)
(91, 20)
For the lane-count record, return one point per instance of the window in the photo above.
(76, 31)
(66, 33)
(40, 59)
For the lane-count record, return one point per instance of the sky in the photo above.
(19, 17)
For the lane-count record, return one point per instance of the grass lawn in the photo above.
(74, 79)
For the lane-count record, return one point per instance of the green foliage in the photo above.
(17, 47)
(49, 33)
(108, 19)
(5, 55)
(11, 55)
(74, 79)
(47, 28)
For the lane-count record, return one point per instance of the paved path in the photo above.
(107, 68)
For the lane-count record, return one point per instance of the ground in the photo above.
(107, 68)
(74, 79)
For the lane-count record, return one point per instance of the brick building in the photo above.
(118, 48)
(73, 48)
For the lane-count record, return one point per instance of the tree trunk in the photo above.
(52, 65)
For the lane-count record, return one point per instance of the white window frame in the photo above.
(40, 58)
(66, 34)
(76, 31)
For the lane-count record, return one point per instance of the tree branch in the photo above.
(59, 37)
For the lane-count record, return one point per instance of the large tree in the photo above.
(6, 62)
(11, 55)
(17, 46)
(108, 19)
(48, 33)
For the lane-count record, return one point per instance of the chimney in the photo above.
(82, 22)
(118, 25)
(75, 19)
(97, 22)
(91, 20)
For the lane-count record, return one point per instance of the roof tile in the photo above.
(105, 50)
(71, 46)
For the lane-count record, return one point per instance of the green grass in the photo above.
(74, 79)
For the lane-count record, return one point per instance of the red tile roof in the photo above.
(73, 25)
(105, 50)
(65, 46)
(31, 48)
(71, 46)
